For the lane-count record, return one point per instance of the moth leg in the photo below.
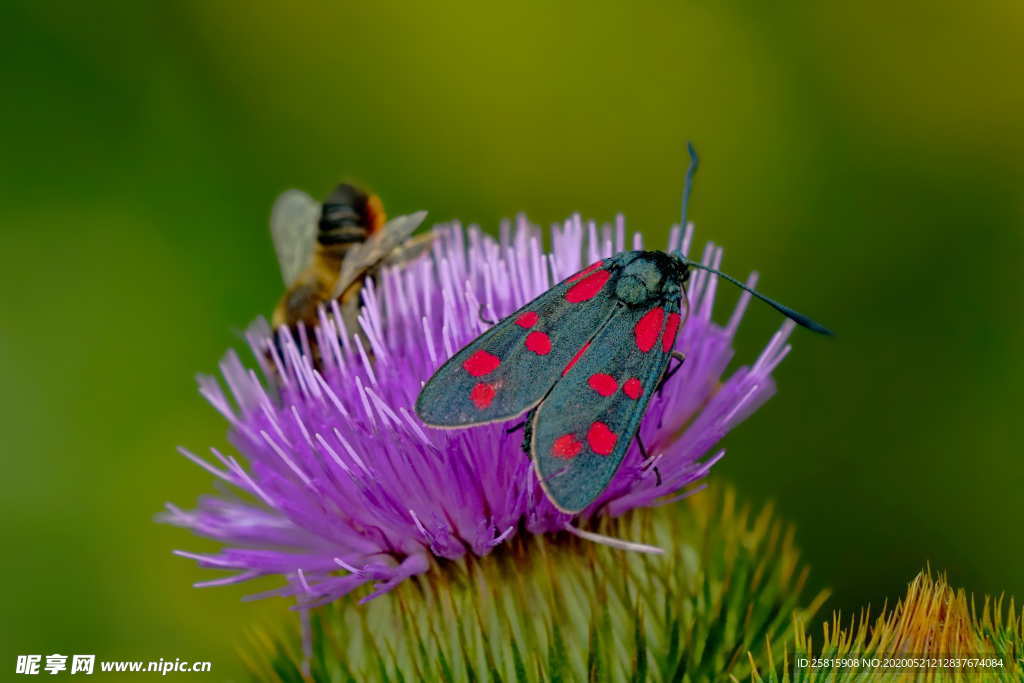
(527, 426)
(679, 356)
(480, 314)
(517, 427)
(647, 456)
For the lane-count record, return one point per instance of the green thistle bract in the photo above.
(556, 607)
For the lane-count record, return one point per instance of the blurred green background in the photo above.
(866, 158)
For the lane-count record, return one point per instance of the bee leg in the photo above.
(681, 357)
(647, 456)
(480, 314)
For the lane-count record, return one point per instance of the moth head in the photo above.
(646, 277)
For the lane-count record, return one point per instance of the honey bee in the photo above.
(327, 251)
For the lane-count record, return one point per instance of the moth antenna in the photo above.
(691, 171)
(798, 318)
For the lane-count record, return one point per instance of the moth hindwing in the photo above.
(509, 368)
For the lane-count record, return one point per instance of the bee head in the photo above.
(342, 208)
(349, 215)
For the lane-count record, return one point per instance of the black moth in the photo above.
(584, 358)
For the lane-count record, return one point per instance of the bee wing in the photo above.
(410, 249)
(293, 229)
(510, 367)
(375, 249)
(586, 423)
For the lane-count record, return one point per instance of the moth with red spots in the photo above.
(584, 358)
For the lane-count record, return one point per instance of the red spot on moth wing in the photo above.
(586, 271)
(587, 289)
(482, 395)
(601, 439)
(633, 388)
(669, 340)
(648, 328)
(539, 343)
(603, 384)
(566, 446)
(575, 358)
(528, 319)
(481, 363)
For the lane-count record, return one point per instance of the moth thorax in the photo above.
(640, 282)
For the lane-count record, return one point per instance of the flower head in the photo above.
(347, 487)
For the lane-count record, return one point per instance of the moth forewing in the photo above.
(509, 368)
(583, 428)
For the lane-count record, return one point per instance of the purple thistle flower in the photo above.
(347, 487)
